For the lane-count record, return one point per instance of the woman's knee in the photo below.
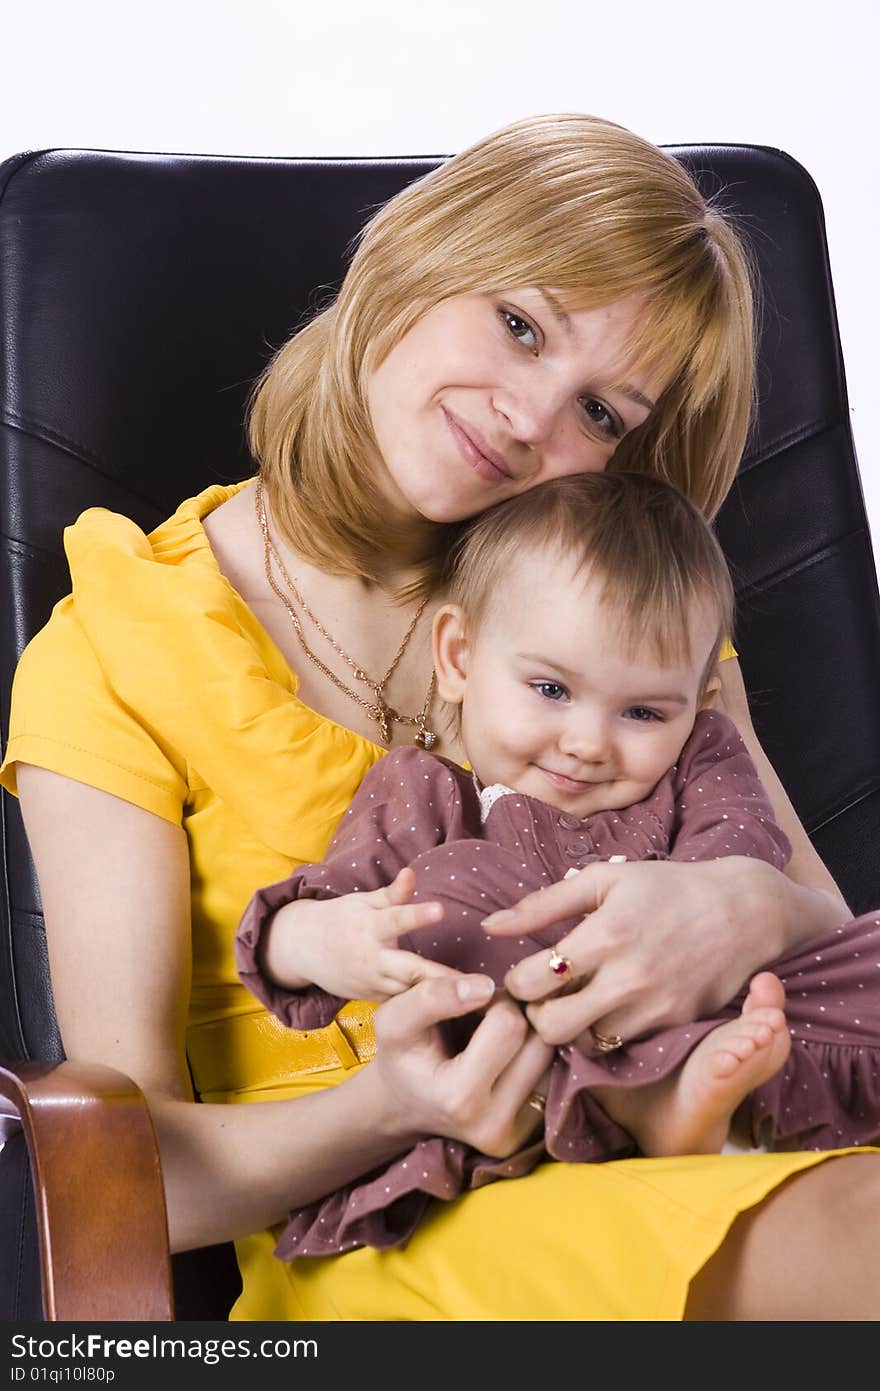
(809, 1250)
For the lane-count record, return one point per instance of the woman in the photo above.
(554, 297)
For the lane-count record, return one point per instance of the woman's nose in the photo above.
(531, 413)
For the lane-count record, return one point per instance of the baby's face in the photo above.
(553, 705)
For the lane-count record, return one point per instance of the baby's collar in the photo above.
(489, 795)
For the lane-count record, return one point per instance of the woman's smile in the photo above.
(485, 461)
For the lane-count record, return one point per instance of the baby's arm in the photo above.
(722, 808)
(333, 926)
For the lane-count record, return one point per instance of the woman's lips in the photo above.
(472, 454)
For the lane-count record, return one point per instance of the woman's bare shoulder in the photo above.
(234, 539)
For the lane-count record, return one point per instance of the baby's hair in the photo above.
(651, 550)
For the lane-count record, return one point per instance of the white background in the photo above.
(396, 77)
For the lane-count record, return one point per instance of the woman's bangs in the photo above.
(666, 338)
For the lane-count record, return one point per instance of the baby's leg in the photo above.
(690, 1111)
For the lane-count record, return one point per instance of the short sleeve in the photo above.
(65, 717)
(154, 678)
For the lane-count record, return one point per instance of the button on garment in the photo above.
(577, 850)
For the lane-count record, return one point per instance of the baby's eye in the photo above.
(550, 690)
(601, 418)
(643, 714)
(520, 329)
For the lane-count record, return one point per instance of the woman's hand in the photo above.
(480, 1095)
(348, 945)
(662, 943)
(115, 884)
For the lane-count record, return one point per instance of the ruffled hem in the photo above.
(827, 1096)
(385, 1208)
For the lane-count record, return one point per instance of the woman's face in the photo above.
(489, 394)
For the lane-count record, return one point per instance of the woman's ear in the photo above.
(450, 653)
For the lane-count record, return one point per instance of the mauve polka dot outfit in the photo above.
(479, 850)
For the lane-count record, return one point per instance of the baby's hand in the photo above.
(348, 945)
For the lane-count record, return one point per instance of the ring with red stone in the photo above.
(606, 1043)
(559, 964)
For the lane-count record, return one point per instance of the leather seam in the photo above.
(26, 549)
(73, 448)
(7, 894)
(36, 430)
(815, 430)
(754, 588)
(870, 790)
(28, 915)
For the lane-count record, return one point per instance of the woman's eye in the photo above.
(601, 418)
(550, 690)
(643, 714)
(520, 329)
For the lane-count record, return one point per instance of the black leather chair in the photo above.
(140, 295)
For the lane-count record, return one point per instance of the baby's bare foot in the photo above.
(690, 1111)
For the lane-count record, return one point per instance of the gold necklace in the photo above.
(378, 709)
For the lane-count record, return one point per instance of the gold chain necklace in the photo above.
(378, 709)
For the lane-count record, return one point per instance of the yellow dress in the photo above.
(154, 682)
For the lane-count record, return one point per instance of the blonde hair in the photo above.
(652, 552)
(572, 203)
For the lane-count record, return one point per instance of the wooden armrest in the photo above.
(100, 1203)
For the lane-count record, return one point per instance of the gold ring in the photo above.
(606, 1043)
(559, 964)
(537, 1102)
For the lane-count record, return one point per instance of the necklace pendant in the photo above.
(381, 715)
(426, 739)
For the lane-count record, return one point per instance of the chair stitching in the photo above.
(28, 550)
(83, 455)
(55, 437)
(814, 430)
(753, 588)
(27, 915)
(869, 790)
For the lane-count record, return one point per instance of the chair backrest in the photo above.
(141, 294)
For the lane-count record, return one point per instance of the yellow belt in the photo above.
(245, 1052)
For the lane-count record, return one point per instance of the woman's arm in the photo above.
(809, 916)
(115, 885)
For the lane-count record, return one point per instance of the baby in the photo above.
(580, 647)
